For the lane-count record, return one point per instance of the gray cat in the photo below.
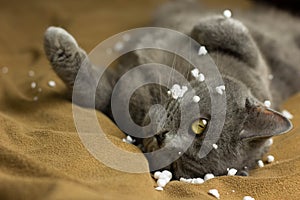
(257, 53)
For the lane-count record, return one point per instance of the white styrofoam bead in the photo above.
(202, 51)
(33, 85)
(215, 146)
(161, 182)
(51, 83)
(195, 72)
(159, 188)
(287, 114)
(220, 89)
(270, 158)
(164, 176)
(227, 13)
(215, 193)
(182, 179)
(267, 103)
(248, 198)
(201, 77)
(199, 181)
(196, 99)
(129, 139)
(167, 173)
(232, 172)
(269, 142)
(260, 163)
(208, 177)
(157, 174)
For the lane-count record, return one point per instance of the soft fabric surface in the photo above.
(41, 155)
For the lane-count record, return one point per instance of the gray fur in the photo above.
(247, 50)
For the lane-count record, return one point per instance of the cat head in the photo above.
(248, 122)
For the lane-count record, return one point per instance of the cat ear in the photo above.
(228, 36)
(263, 122)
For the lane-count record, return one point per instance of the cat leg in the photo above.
(66, 58)
(64, 54)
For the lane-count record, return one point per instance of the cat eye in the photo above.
(199, 126)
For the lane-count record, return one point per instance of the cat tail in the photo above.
(67, 58)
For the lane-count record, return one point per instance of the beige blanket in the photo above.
(41, 155)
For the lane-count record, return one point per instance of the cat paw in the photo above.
(227, 35)
(59, 45)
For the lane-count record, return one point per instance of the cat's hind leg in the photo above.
(66, 58)
(64, 54)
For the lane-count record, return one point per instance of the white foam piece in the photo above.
(215, 146)
(198, 181)
(167, 173)
(269, 142)
(159, 188)
(128, 139)
(267, 103)
(260, 163)
(189, 180)
(220, 89)
(161, 182)
(214, 192)
(157, 174)
(202, 51)
(195, 72)
(208, 177)
(33, 85)
(51, 83)
(182, 179)
(196, 99)
(248, 198)
(35, 98)
(201, 77)
(164, 176)
(270, 158)
(232, 172)
(177, 91)
(287, 114)
(227, 13)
